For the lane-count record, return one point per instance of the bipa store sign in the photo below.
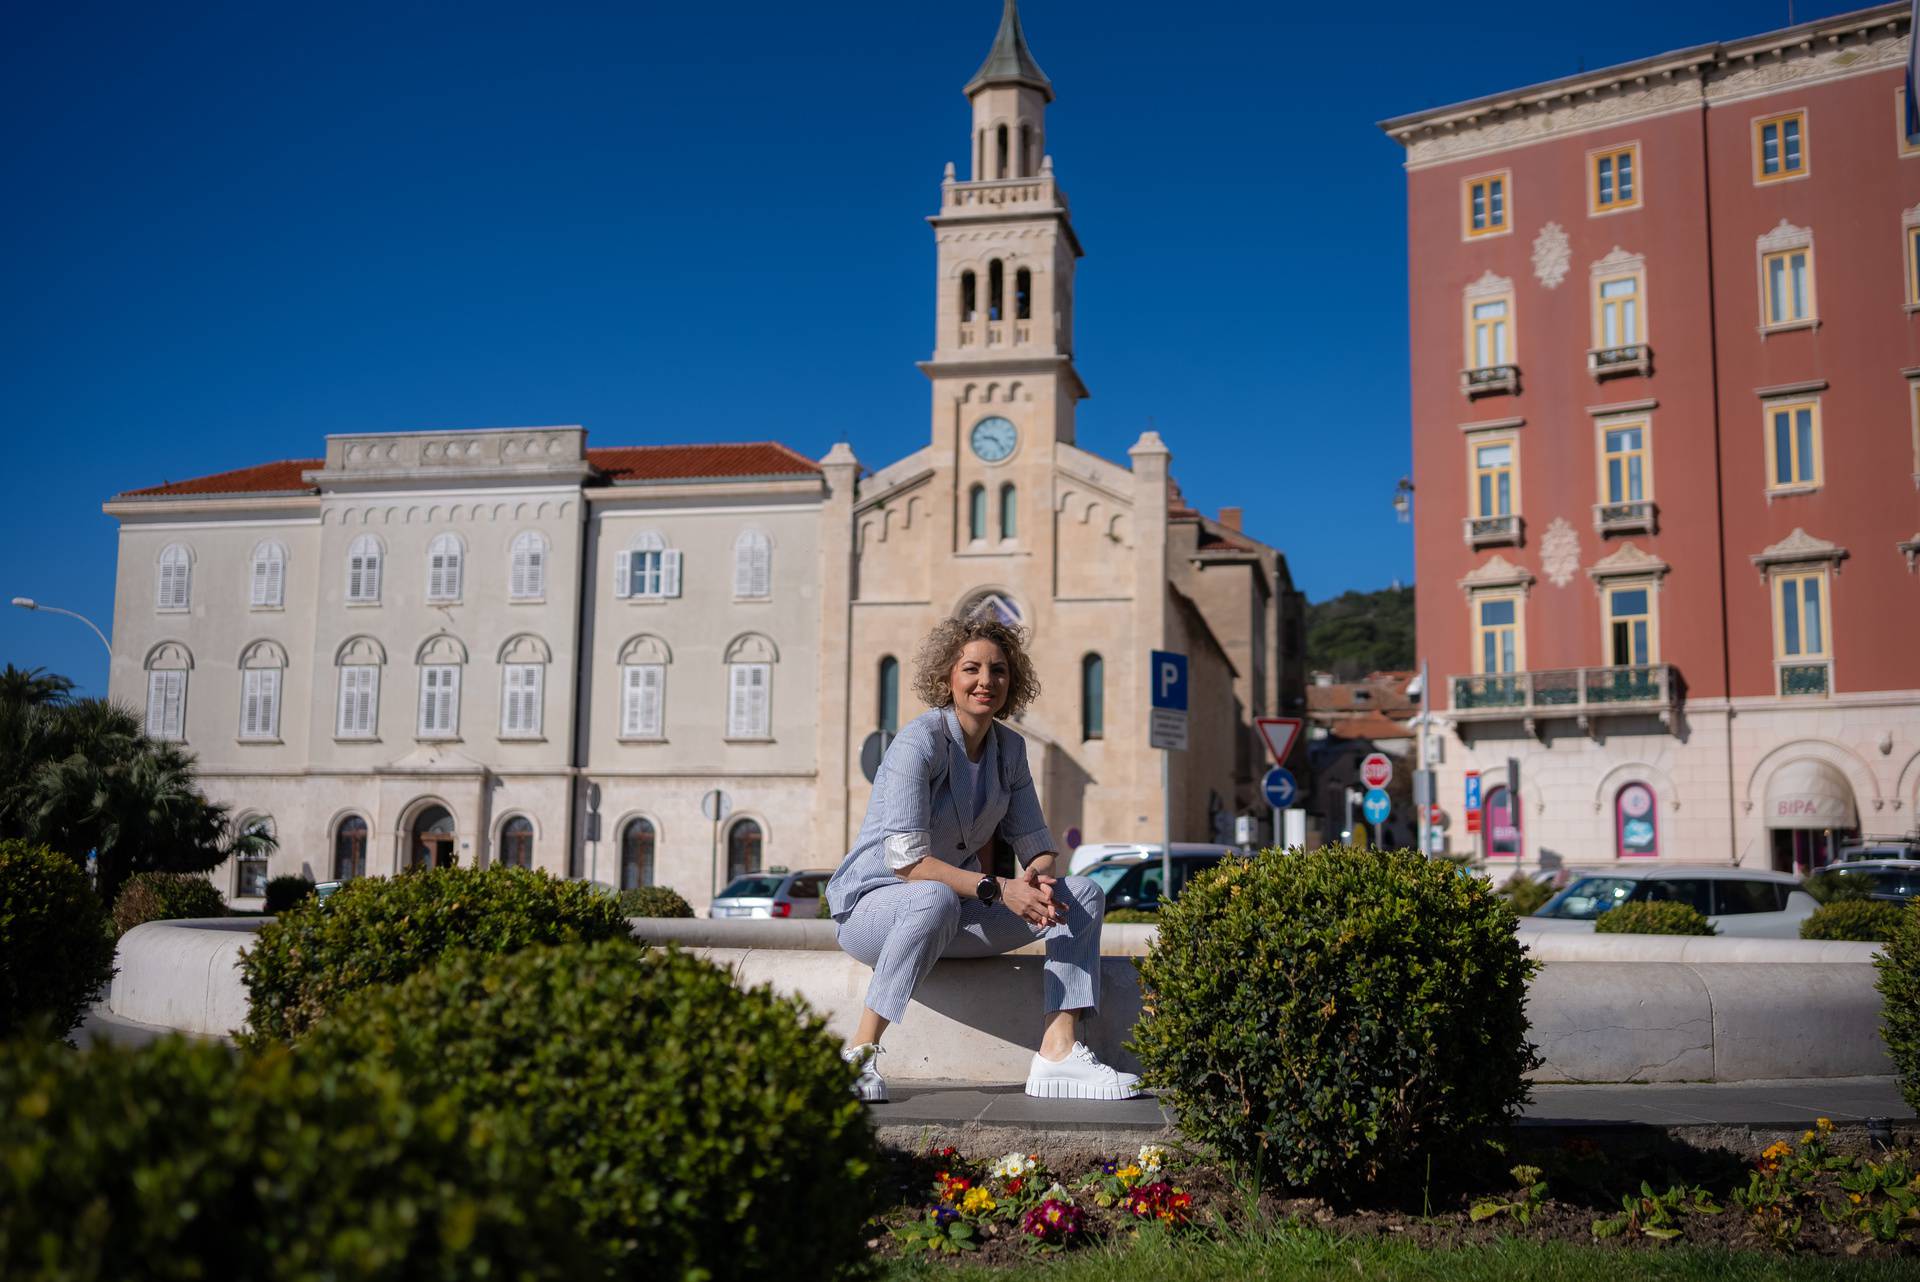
(1831, 811)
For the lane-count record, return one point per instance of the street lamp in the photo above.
(1403, 500)
(28, 603)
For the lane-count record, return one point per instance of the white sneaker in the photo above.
(870, 1086)
(1080, 1075)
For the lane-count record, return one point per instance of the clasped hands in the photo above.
(1030, 896)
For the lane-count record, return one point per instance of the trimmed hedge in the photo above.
(376, 930)
(1525, 894)
(166, 896)
(1830, 887)
(689, 1129)
(181, 1160)
(653, 901)
(1334, 1019)
(56, 944)
(1866, 921)
(1663, 917)
(284, 892)
(1133, 917)
(1899, 985)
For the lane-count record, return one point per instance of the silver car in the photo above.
(774, 893)
(1747, 902)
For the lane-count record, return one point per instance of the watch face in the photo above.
(994, 438)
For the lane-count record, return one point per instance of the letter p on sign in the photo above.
(1169, 686)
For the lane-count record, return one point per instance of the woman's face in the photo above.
(980, 680)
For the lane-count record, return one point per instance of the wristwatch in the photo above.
(989, 891)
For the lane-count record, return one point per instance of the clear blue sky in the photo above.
(231, 229)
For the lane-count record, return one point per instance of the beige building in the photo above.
(504, 645)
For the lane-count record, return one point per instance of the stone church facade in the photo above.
(509, 646)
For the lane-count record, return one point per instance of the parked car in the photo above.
(1738, 901)
(1894, 879)
(1134, 881)
(774, 893)
(1876, 849)
(324, 889)
(1099, 852)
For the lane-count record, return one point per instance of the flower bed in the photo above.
(1804, 1196)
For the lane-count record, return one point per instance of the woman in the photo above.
(912, 889)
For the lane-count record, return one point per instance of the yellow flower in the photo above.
(1825, 1124)
(1854, 1198)
(1777, 1149)
(976, 1201)
(1807, 1138)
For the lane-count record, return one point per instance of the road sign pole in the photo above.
(1276, 829)
(1166, 802)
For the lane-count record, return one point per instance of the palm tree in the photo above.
(33, 687)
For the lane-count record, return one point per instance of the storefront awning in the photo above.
(1809, 794)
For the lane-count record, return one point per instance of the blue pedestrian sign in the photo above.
(1280, 788)
(1169, 680)
(1376, 807)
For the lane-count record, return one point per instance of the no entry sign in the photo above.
(1376, 771)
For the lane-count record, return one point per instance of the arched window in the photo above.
(969, 295)
(752, 566)
(996, 290)
(1636, 825)
(750, 659)
(430, 843)
(523, 672)
(977, 512)
(260, 669)
(648, 568)
(1023, 294)
(516, 842)
(358, 715)
(888, 713)
(636, 854)
(440, 660)
(350, 849)
(1026, 152)
(1502, 824)
(443, 568)
(527, 575)
(267, 584)
(250, 860)
(167, 667)
(174, 588)
(1000, 166)
(363, 570)
(1009, 511)
(743, 849)
(1093, 697)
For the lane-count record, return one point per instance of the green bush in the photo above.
(653, 901)
(689, 1128)
(56, 945)
(376, 930)
(1866, 921)
(284, 892)
(1334, 1019)
(1831, 887)
(1525, 894)
(1663, 917)
(1899, 985)
(1133, 916)
(165, 896)
(182, 1160)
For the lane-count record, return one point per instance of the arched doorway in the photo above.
(1810, 810)
(350, 849)
(743, 848)
(516, 842)
(636, 854)
(430, 844)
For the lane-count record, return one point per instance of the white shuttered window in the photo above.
(439, 700)
(167, 704)
(643, 688)
(260, 703)
(648, 568)
(363, 570)
(748, 700)
(527, 579)
(174, 590)
(359, 698)
(443, 569)
(520, 698)
(752, 566)
(267, 588)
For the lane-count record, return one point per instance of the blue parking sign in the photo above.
(1473, 790)
(1168, 678)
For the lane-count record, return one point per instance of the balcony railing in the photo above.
(994, 194)
(1623, 518)
(1489, 379)
(1632, 358)
(1567, 692)
(1490, 531)
(1806, 679)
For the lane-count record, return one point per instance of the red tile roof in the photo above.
(1369, 725)
(262, 478)
(687, 462)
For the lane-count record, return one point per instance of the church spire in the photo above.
(1010, 61)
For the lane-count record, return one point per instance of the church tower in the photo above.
(1004, 384)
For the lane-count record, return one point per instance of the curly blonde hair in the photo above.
(933, 666)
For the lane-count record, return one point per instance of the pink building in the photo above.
(1665, 368)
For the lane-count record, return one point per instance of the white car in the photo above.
(1099, 852)
(1746, 902)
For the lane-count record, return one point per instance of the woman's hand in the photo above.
(1030, 896)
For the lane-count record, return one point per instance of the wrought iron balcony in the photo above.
(1632, 358)
(1806, 679)
(1489, 379)
(1623, 518)
(1581, 693)
(1491, 531)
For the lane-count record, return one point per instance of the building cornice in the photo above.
(1059, 366)
(170, 507)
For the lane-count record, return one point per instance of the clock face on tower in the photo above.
(994, 438)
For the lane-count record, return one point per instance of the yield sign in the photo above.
(1279, 732)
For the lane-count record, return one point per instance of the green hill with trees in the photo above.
(1360, 632)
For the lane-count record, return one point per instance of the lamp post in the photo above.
(1403, 500)
(28, 603)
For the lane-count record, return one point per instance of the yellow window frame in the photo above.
(1616, 203)
(1767, 316)
(1644, 453)
(1638, 298)
(1906, 145)
(1483, 183)
(1911, 235)
(1779, 122)
(1481, 631)
(1780, 579)
(1474, 472)
(1652, 616)
(1814, 476)
(1475, 325)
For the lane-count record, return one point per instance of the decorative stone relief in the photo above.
(1910, 217)
(1497, 573)
(1785, 236)
(1551, 255)
(1796, 549)
(1490, 285)
(1560, 552)
(1619, 263)
(1628, 561)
